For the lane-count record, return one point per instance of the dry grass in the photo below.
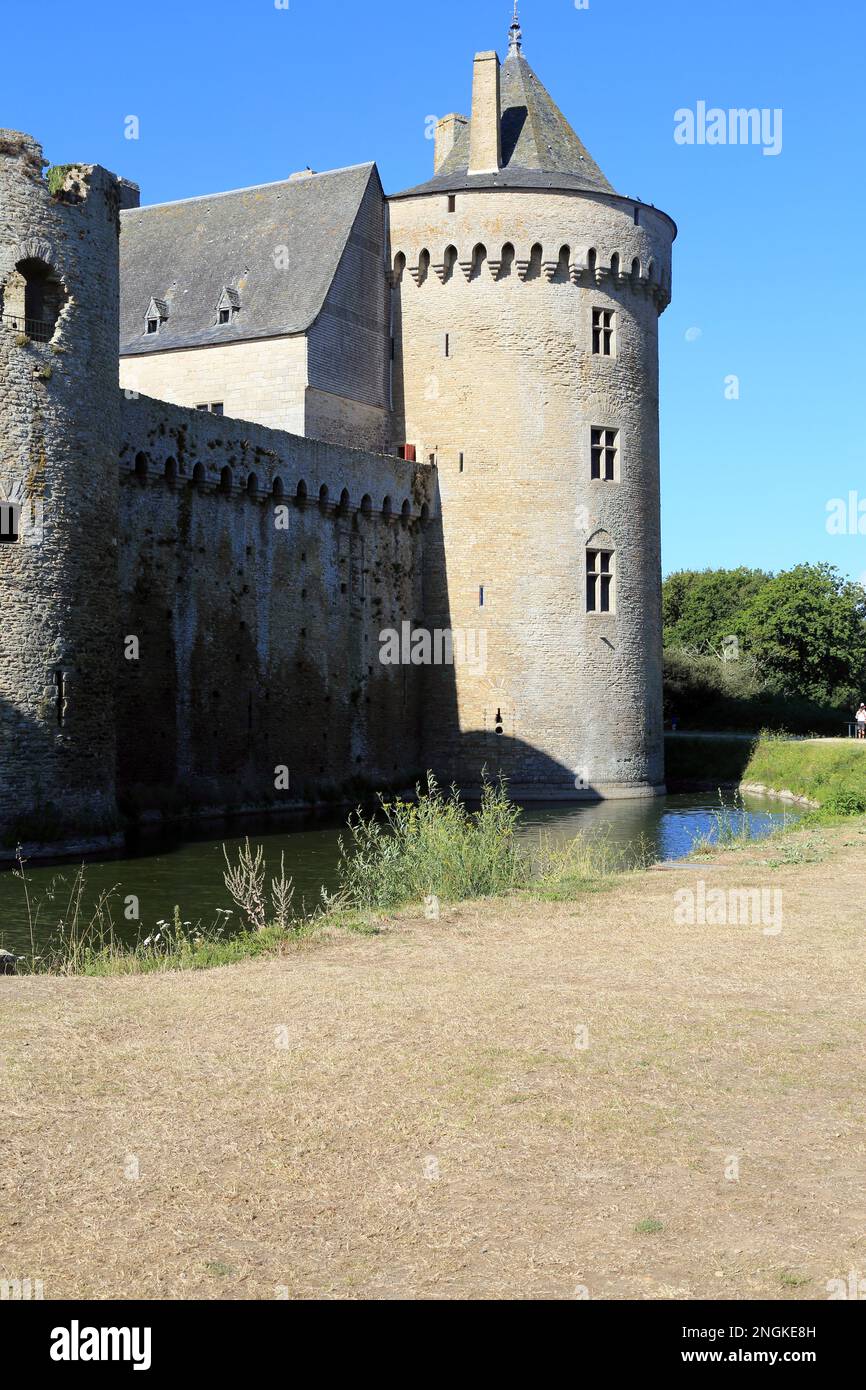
(430, 1129)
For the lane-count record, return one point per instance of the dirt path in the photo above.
(427, 1124)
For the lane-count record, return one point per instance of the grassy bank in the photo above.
(833, 774)
(431, 851)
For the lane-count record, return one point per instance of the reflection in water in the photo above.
(189, 874)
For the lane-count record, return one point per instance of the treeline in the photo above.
(746, 650)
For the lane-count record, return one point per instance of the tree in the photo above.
(702, 607)
(806, 629)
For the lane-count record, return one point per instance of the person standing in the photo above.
(860, 720)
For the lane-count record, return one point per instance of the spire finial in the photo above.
(515, 34)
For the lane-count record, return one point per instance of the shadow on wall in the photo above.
(258, 681)
(20, 741)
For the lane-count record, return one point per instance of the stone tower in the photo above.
(527, 294)
(59, 441)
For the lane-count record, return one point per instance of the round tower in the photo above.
(59, 441)
(527, 294)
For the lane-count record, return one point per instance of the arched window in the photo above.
(535, 256)
(198, 475)
(32, 298)
(479, 256)
(323, 497)
(366, 504)
(423, 266)
(563, 264)
(387, 508)
(301, 493)
(226, 479)
(450, 262)
(252, 485)
(141, 466)
(344, 500)
(406, 510)
(425, 514)
(635, 269)
(614, 264)
(399, 267)
(278, 488)
(171, 470)
(507, 261)
(591, 258)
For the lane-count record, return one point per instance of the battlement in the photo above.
(177, 447)
(556, 262)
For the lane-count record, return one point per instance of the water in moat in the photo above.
(189, 873)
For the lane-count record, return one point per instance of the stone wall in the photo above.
(494, 377)
(262, 380)
(59, 426)
(256, 598)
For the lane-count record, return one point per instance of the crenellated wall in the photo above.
(555, 236)
(257, 570)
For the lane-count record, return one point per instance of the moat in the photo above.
(189, 873)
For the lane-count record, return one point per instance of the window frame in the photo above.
(603, 334)
(604, 454)
(600, 581)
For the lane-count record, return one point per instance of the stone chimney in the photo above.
(486, 136)
(448, 132)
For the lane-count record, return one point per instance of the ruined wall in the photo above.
(257, 597)
(59, 426)
(493, 322)
(263, 380)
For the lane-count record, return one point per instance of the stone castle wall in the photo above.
(257, 570)
(59, 426)
(494, 378)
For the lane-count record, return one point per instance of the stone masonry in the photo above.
(195, 604)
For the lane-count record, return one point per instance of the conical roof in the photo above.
(539, 147)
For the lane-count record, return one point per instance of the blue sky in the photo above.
(769, 277)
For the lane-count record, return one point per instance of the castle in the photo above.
(378, 491)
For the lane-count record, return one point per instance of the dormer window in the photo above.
(157, 313)
(228, 306)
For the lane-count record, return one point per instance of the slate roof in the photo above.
(539, 147)
(189, 252)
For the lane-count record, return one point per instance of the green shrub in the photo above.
(56, 177)
(703, 692)
(845, 803)
(433, 846)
